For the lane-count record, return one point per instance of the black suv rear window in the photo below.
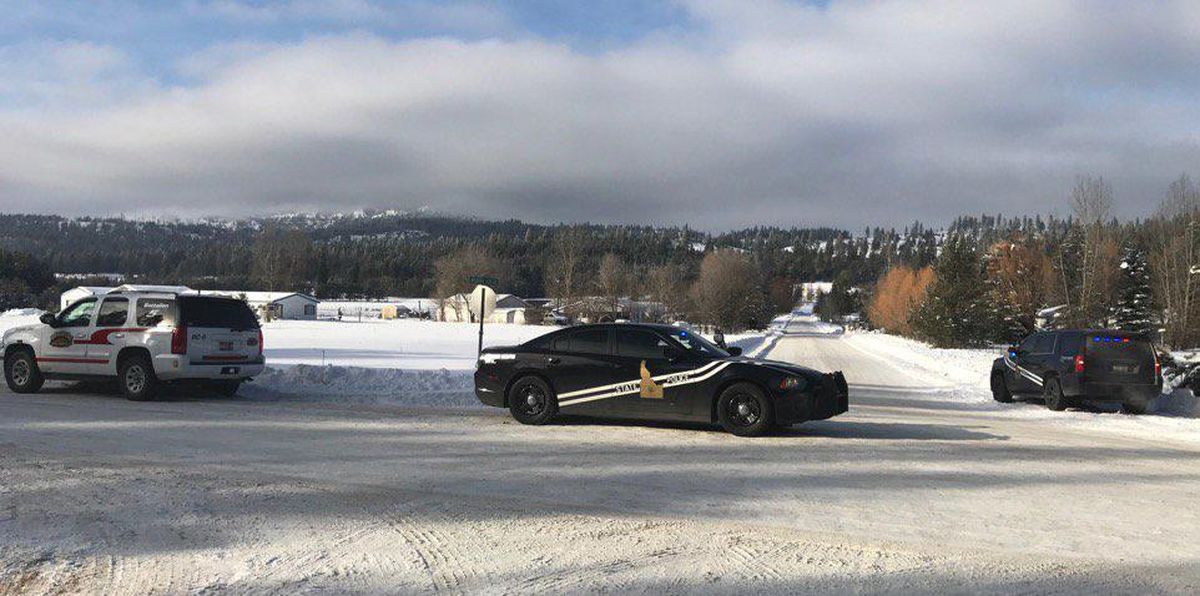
(216, 312)
(1118, 346)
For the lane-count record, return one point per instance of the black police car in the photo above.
(657, 372)
(1069, 366)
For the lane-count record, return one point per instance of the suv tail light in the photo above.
(179, 340)
(260, 344)
(1157, 366)
(1079, 363)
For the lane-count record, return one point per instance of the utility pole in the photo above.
(482, 295)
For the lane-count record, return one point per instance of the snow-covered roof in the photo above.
(499, 297)
(153, 288)
(261, 297)
(93, 290)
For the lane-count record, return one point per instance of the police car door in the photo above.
(108, 337)
(64, 346)
(643, 355)
(581, 367)
(1031, 362)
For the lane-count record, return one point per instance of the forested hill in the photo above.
(390, 253)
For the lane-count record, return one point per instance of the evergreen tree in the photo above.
(1134, 309)
(956, 312)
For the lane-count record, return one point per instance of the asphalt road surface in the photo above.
(904, 493)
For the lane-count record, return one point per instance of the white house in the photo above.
(281, 305)
(80, 292)
(509, 309)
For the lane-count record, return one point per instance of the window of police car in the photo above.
(217, 312)
(637, 343)
(696, 344)
(78, 314)
(1044, 344)
(1069, 343)
(113, 312)
(586, 341)
(152, 312)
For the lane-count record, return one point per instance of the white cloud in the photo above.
(864, 112)
(65, 75)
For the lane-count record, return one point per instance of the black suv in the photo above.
(1069, 366)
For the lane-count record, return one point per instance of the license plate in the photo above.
(225, 346)
(229, 370)
(1124, 368)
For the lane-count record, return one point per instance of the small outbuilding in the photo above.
(78, 293)
(295, 306)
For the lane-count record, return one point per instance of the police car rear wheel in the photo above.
(531, 401)
(1000, 390)
(137, 378)
(743, 410)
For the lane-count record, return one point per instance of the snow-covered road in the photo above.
(907, 492)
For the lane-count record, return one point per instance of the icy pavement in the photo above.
(921, 487)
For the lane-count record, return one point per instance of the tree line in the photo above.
(984, 278)
(995, 284)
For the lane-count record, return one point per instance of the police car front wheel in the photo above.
(21, 372)
(743, 409)
(532, 401)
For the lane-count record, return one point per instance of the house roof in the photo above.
(153, 288)
(261, 296)
(94, 290)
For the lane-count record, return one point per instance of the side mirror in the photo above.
(48, 319)
(734, 351)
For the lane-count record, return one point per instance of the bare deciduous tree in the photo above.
(898, 295)
(1018, 270)
(611, 282)
(452, 273)
(1089, 287)
(665, 285)
(1175, 261)
(564, 275)
(728, 291)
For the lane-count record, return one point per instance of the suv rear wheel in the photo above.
(21, 372)
(135, 375)
(1053, 394)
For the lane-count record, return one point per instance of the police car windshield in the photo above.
(696, 344)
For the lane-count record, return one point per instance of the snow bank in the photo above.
(361, 385)
(18, 317)
(401, 344)
(965, 368)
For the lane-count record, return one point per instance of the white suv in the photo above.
(141, 339)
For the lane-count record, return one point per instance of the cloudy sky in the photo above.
(716, 113)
